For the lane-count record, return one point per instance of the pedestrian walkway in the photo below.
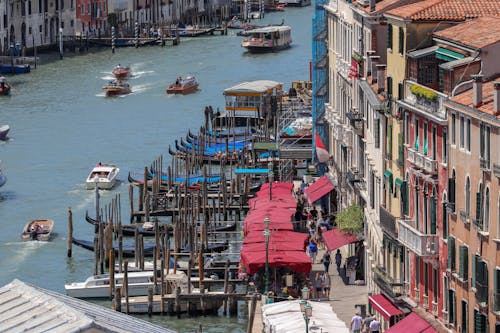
(343, 298)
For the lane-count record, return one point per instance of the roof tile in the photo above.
(476, 33)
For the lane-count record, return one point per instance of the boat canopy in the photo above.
(259, 86)
(265, 30)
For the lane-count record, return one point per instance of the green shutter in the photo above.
(451, 191)
(389, 87)
(451, 253)
(478, 207)
(495, 290)
(389, 36)
(401, 40)
(466, 263)
(479, 322)
(461, 265)
(433, 215)
(474, 271)
(401, 152)
(404, 197)
(389, 142)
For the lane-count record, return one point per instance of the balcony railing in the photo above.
(425, 99)
(496, 169)
(464, 217)
(424, 245)
(484, 164)
(387, 222)
(481, 292)
(422, 161)
(388, 284)
(338, 132)
(347, 137)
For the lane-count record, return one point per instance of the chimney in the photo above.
(372, 5)
(496, 98)
(374, 60)
(381, 77)
(477, 90)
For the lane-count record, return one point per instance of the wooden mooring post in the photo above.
(70, 232)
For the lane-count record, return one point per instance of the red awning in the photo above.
(272, 247)
(413, 323)
(297, 261)
(318, 189)
(335, 238)
(385, 307)
(277, 237)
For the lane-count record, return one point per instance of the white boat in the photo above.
(296, 3)
(104, 174)
(97, 286)
(268, 39)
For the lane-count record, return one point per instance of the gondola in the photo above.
(128, 248)
(129, 229)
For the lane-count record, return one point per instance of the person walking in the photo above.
(325, 283)
(326, 261)
(374, 326)
(366, 322)
(356, 323)
(313, 249)
(338, 259)
(318, 285)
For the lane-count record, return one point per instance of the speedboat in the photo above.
(38, 230)
(97, 286)
(4, 86)
(4, 130)
(121, 72)
(183, 86)
(104, 175)
(117, 87)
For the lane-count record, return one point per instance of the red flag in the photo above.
(353, 70)
(321, 151)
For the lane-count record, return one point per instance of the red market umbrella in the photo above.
(296, 261)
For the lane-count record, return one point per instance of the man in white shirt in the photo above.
(375, 326)
(356, 323)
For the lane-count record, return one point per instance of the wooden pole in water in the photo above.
(226, 286)
(117, 300)
(111, 256)
(178, 301)
(131, 199)
(70, 232)
(155, 268)
(150, 302)
(136, 243)
(120, 251)
(96, 256)
(141, 244)
(125, 286)
(253, 305)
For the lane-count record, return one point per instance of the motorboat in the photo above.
(5, 86)
(40, 230)
(3, 179)
(104, 175)
(183, 85)
(4, 130)
(268, 39)
(117, 87)
(121, 72)
(97, 286)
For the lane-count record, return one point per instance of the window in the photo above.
(496, 290)
(480, 322)
(435, 285)
(468, 135)
(453, 129)
(39, 6)
(463, 269)
(426, 279)
(401, 40)
(432, 204)
(425, 139)
(407, 128)
(465, 315)
(480, 279)
(452, 311)
(451, 253)
(389, 36)
(462, 132)
(434, 143)
(389, 87)
(30, 31)
(486, 215)
(416, 129)
(377, 133)
(29, 7)
(445, 147)
(401, 90)
(467, 196)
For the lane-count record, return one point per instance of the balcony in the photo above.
(464, 216)
(353, 175)
(496, 169)
(422, 161)
(388, 284)
(484, 164)
(424, 100)
(387, 222)
(482, 293)
(356, 119)
(424, 245)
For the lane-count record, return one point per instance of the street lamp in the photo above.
(266, 237)
(271, 179)
(305, 293)
(306, 310)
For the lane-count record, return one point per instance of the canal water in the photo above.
(62, 125)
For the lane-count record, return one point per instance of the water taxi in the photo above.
(268, 39)
(97, 286)
(183, 86)
(121, 72)
(117, 87)
(104, 175)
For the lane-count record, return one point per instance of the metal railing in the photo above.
(422, 244)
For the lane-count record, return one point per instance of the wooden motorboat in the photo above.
(97, 286)
(104, 175)
(183, 86)
(4, 130)
(268, 39)
(121, 72)
(38, 230)
(5, 86)
(117, 87)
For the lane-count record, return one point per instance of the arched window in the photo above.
(486, 224)
(467, 196)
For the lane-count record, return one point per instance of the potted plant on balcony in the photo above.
(423, 93)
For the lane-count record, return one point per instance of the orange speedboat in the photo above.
(183, 86)
(117, 87)
(121, 72)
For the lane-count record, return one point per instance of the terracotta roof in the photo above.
(381, 6)
(465, 98)
(476, 33)
(447, 10)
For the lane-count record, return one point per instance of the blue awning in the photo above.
(251, 171)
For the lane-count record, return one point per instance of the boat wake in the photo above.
(19, 251)
(108, 77)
